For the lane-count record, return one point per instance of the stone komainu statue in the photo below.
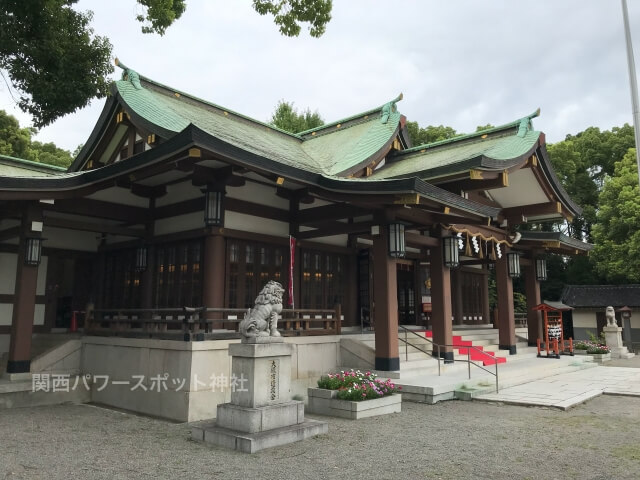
(610, 315)
(262, 319)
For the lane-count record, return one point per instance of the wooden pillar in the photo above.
(456, 285)
(507, 325)
(24, 303)
(534, 318)
(213, 282)
(350, 307)
(441, 301)
(486, 310)
(385, 295)
(146, 277)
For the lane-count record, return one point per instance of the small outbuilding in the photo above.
(590, 301)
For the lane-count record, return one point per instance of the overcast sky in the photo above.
(460, 63)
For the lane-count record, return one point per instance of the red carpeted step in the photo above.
(489, 361)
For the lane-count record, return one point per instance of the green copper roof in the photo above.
(19, 167)
(462, 153)
(335, 149)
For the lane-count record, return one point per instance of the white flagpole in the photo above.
(632, 83)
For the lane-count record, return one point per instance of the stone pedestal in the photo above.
(613, 339)
(261, 413)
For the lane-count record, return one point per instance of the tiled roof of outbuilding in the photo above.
(600, 296)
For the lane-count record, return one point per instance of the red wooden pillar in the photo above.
(441, 302)
(385, 295)
(24, 303)
(534, 318)
(214, 273)
(507, 325)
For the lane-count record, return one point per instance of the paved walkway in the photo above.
(569, 389)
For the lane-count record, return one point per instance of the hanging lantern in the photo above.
(541, 269)
(450, 249)
(33, 250)
(141, 258)
(396, 240)
(513, 262)
(214, 208)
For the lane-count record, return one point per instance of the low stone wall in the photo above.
(185, 381)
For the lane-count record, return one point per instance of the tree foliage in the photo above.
(52, 57)
(429, 134)
(581, 162)
(286, 117)
(57, 65)
(16, 141)
(616, 233)
(288, 14)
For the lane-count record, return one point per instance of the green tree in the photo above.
(57, 65)
(616, 233)
(429, 134)
(581, 162)
(479, 128)
(16, 141)
(286, 117)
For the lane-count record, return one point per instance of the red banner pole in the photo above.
(292, 254)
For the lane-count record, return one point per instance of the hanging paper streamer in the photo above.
(498, 251)
(460, 242)
(476, 247)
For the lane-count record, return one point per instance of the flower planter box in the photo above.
(577, 351)
(601, 357)
(325, 402)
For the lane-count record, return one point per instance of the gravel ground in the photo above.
(450, 440)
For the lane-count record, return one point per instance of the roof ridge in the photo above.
(135, 79)
(520, 123)
(352, 117)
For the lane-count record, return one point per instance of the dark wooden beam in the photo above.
(330, 212)
(416, 240)
(516, 213)
(92, 227)
(9, 233)
(100, 209)
(341, 229)
(147, 191)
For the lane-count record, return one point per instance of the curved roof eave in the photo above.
(101, 125)
(554, 181)
(193, 136)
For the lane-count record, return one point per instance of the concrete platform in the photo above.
(254, 442)
(567, 390)
(456, 384)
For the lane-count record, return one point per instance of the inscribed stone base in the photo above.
(265, 373)
(613, 339)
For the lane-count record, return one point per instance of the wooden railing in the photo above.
(201, 323)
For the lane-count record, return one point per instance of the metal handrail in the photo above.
(468, 360)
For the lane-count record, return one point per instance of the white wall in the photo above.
(8, 266)
(8, 263)
(181, 223)
(262, 194)
(249, 223)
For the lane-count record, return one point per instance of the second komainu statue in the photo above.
(262, 319)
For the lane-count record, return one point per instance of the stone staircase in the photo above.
(58, 354)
